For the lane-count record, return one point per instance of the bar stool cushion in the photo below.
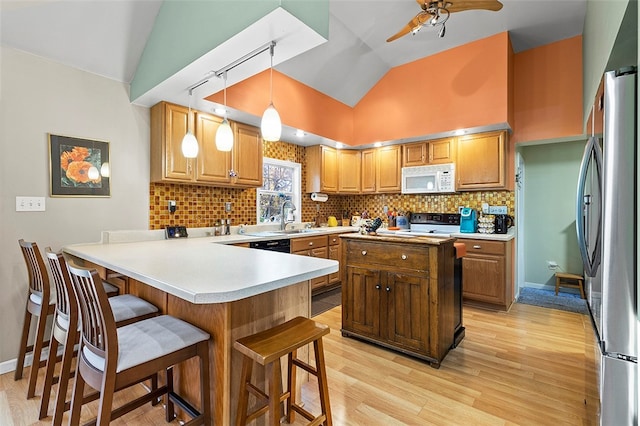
(127, 306)
(149, 339)
(110, 288)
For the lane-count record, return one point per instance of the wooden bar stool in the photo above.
(126, 310)
(266, 348)
(564, 279)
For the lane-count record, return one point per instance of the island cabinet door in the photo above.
(407, 311)
(483, 279)
(361, 301)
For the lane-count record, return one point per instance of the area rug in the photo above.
(324, 301)
(547, 299)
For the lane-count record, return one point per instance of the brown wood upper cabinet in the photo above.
(170, 122)
(482, 162)
(437, 151)
(389, 169)
(368, 168)
(322, 169)
(349, 164)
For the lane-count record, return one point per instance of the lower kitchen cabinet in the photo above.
(487, 279)
(399, 295)
(313, 247)
(335, 251)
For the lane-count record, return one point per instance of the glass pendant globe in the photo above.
(189, 146)
(105, 170)
(271, 126)
(93, 173)
(224, 137)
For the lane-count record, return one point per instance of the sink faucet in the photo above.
(283, 219)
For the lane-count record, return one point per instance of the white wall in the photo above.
(38, 97)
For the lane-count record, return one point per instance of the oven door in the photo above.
(419, 183)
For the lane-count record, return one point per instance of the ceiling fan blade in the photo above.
(462, 5)
(417, 21)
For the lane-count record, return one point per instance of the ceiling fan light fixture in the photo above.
(442, 31)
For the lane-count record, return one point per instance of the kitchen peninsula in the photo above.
(228, 291)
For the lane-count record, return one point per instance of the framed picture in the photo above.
(79, 167)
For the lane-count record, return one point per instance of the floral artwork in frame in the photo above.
(79, 167)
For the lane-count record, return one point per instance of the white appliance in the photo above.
(429, 179)
(429, 224)
(607, 238)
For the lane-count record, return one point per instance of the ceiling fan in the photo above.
(436, 12)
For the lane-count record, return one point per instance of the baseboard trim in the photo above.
(550, 287)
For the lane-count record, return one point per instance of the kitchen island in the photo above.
(228, 291)
(401, 293)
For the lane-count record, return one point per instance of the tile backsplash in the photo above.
(201, 206)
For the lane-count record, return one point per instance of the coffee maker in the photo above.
(502, 223)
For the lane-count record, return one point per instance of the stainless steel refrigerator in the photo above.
(607, 233)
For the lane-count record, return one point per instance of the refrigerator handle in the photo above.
(583, 205)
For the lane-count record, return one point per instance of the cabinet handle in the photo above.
(378, 287)
(477, 247)
(334, 240)
(364, 252)
(403, 257)
(310, 243)
(388, 288)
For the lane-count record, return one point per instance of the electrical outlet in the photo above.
(497, 209)
(227, 207)
(485, 207)
(30, 204)
(172, 206)
(552, 264)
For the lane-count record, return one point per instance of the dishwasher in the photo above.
(283, 246)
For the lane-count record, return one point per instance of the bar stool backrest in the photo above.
(38, 276)
(66, 302)
(99, 334)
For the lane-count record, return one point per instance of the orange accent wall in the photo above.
(466, 86)
(548, 91)
(299, 105)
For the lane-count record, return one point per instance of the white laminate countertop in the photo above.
(510, 235)
(199, 270)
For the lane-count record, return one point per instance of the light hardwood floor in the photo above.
(530, 366)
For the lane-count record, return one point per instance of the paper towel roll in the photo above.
(320, 197)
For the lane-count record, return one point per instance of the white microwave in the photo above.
(429, 179)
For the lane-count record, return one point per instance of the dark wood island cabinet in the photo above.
(399, 293)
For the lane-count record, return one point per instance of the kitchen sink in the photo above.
(297, 231)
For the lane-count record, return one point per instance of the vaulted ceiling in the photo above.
(108, 37)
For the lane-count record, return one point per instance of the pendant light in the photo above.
(189, 142)
(271, 126)
(224, 135)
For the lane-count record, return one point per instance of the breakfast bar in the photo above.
(228, 291)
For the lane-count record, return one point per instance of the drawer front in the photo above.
(484, 246)
(334, 240)
(306, 243)
(393, 255)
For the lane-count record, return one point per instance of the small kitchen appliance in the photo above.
(502, 223)
(468, 220)
(429, 179)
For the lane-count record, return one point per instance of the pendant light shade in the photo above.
(189, 145)
(189, 142)
(271, 126)
(224, 137)
(224, 134)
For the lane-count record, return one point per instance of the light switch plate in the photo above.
(30, 204)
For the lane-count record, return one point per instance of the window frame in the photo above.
(296, 195)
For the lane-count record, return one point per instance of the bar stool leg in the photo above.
(557, 284)
(243, 401)
(275, 385)
(37, 351)
(23, 343)
(291, 386)
(323, 386)
(48, 378)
